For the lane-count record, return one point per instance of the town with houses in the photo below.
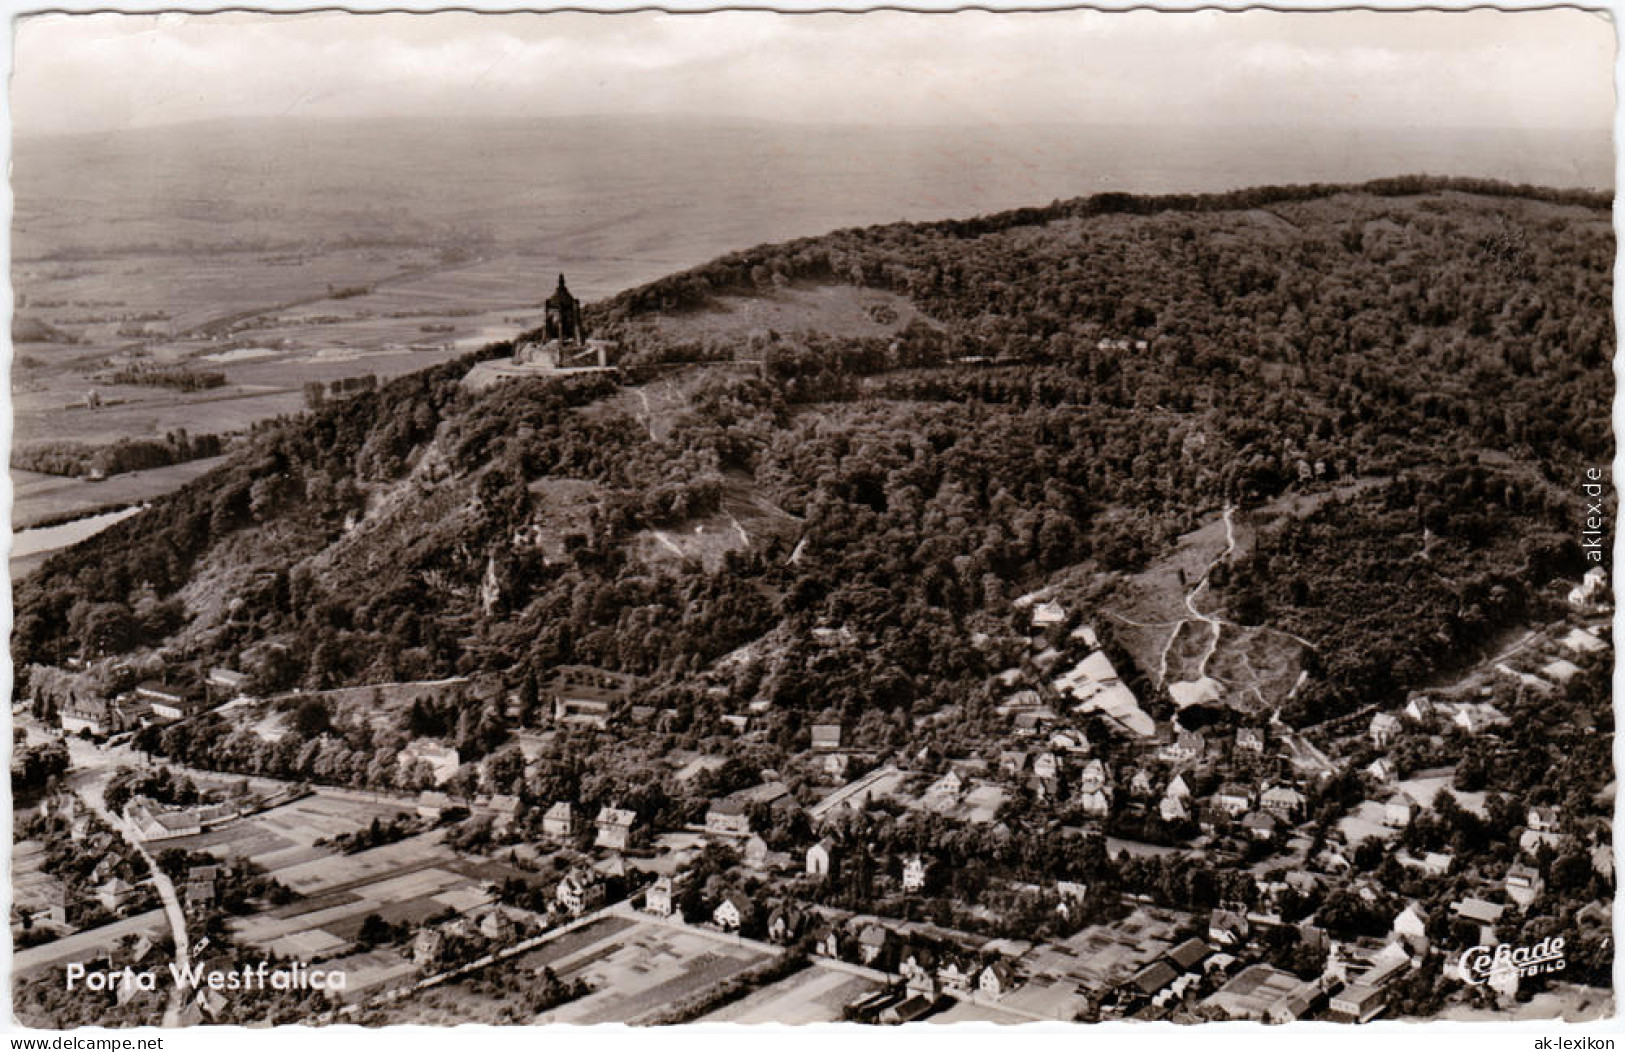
(1082, 860)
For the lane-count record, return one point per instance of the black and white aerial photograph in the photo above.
(885, 519)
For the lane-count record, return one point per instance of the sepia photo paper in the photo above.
(1095, 519)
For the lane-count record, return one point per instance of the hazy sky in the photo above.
(1459, 69)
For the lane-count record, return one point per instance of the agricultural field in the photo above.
(812, 995)
(38, 497)
(405, 882)
(639, 971)
(268, 322)
(283, 838)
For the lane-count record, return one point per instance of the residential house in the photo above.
(1234, 799)
(726, 817)
(432, 804)
(586, 696)
(115, 894)
(1177, 788)
(755, 853)
(1013, 762)
(615, 828)
(428, 946)
(834, 765)
(1544, 819)
(1560, 670)
(872, 943)
(1183, 746)
(785, 924)
(504, 810)
(1260, 825)
(560, 820)
(201, 885)
(996, 980)
(733, 912)
(955, 976)
(660, 898)
(581, 890)
(1484, 914)
(226, 684)
(1071, 890)
(1048, 615)
(1412, 922)
(1069, 740)
(1227, 927)
(820, 858)
(1479, 717)
(167, 702)
(1283, 801)
(1523, 883)
(730, 816)
(1143, 783)
(1173, 809)
(1437, 863)
(919, 971)
(826, 737)
(1398, 810)
(1419, 708)
(1095, 789)
(1531, 841)
(1086, 635)
(1384, 729)
(914, 872)
(1250, 739)
(48, 906)
(826, 941)
(442, 760)
(96, 716)
(1592, 593)
(948, 787)
(1582, 641)
(1381, 769)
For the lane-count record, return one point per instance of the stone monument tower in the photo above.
(563, 320)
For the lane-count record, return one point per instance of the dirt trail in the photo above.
(648, 414)
(1197, 615)
(663, 538)
(1190, 600)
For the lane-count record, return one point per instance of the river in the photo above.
(30, 547)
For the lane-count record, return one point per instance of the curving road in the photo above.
(88, 786)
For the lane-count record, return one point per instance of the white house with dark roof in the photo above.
(1398, 810)
(1385, 728)
(615, 828)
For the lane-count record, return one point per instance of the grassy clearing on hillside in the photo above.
(835, 310)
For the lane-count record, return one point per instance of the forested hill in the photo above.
(1398, 387)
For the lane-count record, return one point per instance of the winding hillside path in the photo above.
(1197, 615)
(1190, 599)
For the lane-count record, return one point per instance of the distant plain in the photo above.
(278, 252)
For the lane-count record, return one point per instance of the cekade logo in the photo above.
(1481, 964)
